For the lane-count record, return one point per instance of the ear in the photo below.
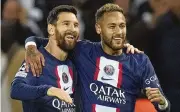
(51, 29)
(98, 28)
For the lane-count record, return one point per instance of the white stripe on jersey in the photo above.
(66, 80)
(100, 108)
(110, 72)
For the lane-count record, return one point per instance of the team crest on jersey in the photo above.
(109, 70)
(65, 77)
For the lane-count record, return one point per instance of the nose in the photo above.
(118, 30)
(71, 27)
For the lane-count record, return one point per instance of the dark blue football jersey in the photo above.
(32, 91)
(110, 83)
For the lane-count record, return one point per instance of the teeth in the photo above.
(70, 36)
(117, 38)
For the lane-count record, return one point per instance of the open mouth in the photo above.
(70, 37)
(117, 38)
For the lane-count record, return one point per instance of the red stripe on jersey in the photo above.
(117, 110)
(93, 107)
(97, 69)
(119, 76)
(58, 78)
(71, 72)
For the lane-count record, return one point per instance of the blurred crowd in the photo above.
(153, 26)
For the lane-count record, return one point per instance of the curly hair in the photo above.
(110, 7)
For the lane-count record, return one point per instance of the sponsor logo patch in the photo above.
(103, 78)
(65, 88)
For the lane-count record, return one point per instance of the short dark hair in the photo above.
(109, 7)
(52, 17)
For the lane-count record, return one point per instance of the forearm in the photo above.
(22, 91)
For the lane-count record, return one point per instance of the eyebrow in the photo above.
(115, 23)
(66, 21)
(111, 24)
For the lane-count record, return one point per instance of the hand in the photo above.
(131, 49)
(61, 94)
(154, 95)
(35, 59)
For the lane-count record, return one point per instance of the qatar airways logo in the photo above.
(63, 106)
(108, 94)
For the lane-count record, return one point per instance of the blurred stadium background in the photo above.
(153, 26)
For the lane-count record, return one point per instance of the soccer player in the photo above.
(50, 91)
(110, 80)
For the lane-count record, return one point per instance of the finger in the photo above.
(126, 45)
(152, 89)
(128, 49)
(32, 69)
(42, 60)
(60, 94)
(61, 97)
(39, 66)
(148, 89)
(69, 99)
(36, 69)
(148, 93)
(152, 96)
(132, 50)
(136, 50)
(156, 99)
(26, 66)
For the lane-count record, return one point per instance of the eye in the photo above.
(76, 25)
(112, 27)
(66, 23)
(122, 26)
